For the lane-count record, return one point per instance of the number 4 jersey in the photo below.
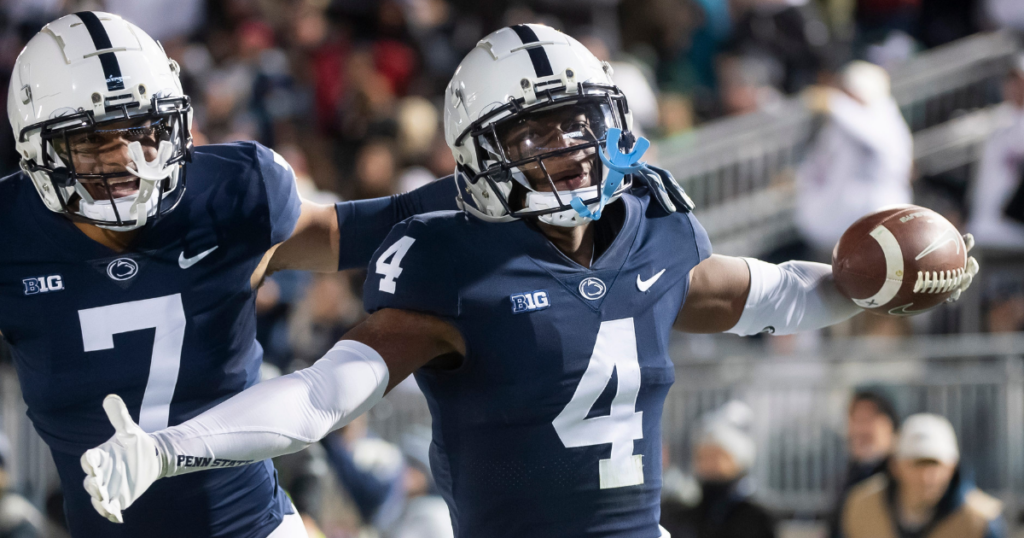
(551, 425)
(168, 325)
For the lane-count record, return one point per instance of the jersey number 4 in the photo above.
(391, 269)
(614, 351)
(167, 316)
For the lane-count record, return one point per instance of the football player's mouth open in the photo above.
(572, 175)
(120, 187)
(571, 182)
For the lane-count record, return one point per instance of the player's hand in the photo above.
(122, 469)
(969, 271)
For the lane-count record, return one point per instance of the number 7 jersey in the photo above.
(169, 325)
(551, 425)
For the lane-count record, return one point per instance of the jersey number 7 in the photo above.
(167, 316)
(614, 351)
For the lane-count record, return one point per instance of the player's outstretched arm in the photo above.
(273, 418)
(345, 235)
(747, 296)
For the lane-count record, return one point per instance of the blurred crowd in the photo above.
(349, 92)
(904, 479)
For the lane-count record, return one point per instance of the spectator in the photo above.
(943, 21)
(788, 37)
(870, 436)
(722, 458)
(376, 169)
(634, 82)
(370, 469)
(18, 518)
(860, 161)
(328, 310)
(425, 513)
(877, 20)
(994, 221)
(926, 495)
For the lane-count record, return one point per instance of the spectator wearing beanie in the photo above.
(723, 456)
(870, 436)
(925, 494)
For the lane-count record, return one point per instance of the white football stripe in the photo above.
(893, 269)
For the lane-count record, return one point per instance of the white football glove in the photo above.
(969, 271)
(119, 471)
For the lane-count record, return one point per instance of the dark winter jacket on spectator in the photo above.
(725, 511)
(963, 512)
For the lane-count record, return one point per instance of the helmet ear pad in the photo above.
(517, 196)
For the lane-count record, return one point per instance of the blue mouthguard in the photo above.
(619, 165)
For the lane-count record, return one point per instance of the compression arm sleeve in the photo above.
(364, 224)
(278, 416)
(792, 297)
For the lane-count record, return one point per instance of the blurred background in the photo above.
(783, 119)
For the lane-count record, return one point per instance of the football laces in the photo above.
(938, 281)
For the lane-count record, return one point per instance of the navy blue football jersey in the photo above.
(169, 325)
(551, 426)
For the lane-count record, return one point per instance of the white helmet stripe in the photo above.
(111, 69)
(541, 64)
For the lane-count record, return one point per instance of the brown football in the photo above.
(899, 261)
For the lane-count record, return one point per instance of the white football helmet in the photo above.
(529, 74)
(93, 74)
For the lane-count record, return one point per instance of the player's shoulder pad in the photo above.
(9, 187)
(14, 190)
(261, 179)
(418, 266)
(681, 224)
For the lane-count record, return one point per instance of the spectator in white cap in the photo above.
(925, 495)
(723, 455)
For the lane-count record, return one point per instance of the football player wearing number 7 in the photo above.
(536, 321)
(129, 263)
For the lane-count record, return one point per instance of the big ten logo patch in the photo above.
(43, 284)
(529, 301)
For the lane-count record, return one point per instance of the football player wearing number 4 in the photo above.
(129, 263)
(537, 320)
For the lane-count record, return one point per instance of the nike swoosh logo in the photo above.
(644, 285)
(185, 263)
(941, 240)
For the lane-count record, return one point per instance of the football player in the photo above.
(129, 263)
(536, 321)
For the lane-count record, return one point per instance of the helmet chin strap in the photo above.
(140, 205)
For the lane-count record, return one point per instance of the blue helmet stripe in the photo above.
(541, 64)
(111, 69)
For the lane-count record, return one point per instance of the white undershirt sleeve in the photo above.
(792, 297)
(278, 416)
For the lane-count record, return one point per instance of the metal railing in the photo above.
(739, 171)
(800, 399)
(800, 402)
(31, 470)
